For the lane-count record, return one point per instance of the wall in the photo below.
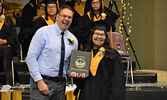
(142, 35)
(160, 34)
(148, 32)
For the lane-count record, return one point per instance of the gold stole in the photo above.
(111, 40)
(79, 8)
(31, 4)
(49, 21)
(95, 61)
(1, 24)
(94, 18)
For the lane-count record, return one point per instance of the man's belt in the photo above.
(55, 79)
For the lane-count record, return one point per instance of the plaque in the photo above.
(80, 62)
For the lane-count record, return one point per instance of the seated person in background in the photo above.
(9, 45)
(96, 13)
(31, 12)
(50, 15)
(106, 79)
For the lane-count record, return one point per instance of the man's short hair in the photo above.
(65, 7)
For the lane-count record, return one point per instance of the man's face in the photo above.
(64, 19)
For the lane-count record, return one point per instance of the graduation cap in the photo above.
(51, 2)
(101, 25)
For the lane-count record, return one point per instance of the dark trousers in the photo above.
(6, 56)
(56, 89)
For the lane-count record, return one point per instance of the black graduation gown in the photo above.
(11, 36)
(7, 53)
(76, 17)
(27, 24)
(107, 84)
(40, 22)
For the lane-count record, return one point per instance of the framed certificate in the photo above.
(80, 62)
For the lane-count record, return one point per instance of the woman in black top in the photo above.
(9, 45)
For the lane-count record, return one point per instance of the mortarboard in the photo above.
(101, 25)
(51, 2)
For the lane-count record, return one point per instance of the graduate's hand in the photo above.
(76, 75)
(43, 88)
(83, 75)
(2, 41)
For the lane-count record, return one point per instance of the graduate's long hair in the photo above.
(2, 10)
(109, 52)
(46, 13)
(92, 14)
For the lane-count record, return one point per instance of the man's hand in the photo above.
(43, 87)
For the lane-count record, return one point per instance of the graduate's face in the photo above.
(51, 9)
(64, 19)
(98, 38)
(96, 5)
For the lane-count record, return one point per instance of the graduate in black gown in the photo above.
(80, 9)
(9, 45)
(50, 15)
(97, 12)
(31, 12)
(106, 79)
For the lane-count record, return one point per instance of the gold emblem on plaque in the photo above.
(80, 63)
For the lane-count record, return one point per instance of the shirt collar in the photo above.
(58, 30)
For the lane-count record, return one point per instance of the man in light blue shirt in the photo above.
(44, 56)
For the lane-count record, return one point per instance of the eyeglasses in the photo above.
(51, 7)
(99, 34)
(64, 16)
(95, 3)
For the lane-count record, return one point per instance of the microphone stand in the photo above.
(127, 35)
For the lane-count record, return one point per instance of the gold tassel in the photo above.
(58, 4)
(36, 2)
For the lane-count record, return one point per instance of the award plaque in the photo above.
(80, 62)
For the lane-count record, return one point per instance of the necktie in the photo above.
(62, 55)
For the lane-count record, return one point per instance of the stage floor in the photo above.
(136, 91)
(142, 91)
